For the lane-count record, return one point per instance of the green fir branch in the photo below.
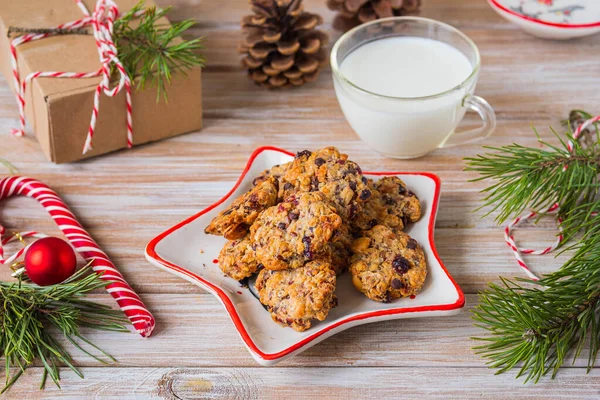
(152, 51)
(533, 178)
(537, 326)
(29, 310)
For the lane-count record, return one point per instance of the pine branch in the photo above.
(151, 51)
(537, 326)
(27, 311)
(531, 178)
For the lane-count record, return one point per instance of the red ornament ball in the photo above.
(49, 261)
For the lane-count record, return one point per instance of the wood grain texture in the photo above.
(198, 329)
(126, 198)
(311, 383)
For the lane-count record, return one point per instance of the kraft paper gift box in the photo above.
(58, 110)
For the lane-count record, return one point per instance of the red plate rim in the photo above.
(151, 252)
(496, 4)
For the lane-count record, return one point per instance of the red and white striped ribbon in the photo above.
(15, 237)
(581, 128)
(102, 22)
(554, 209)
(510, 240)
(129, 302)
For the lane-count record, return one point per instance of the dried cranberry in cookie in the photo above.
(238, 260)
(297, 296)
(277, 171)
(330, 172)
(391, 204)
(387, 265)
(337, 251)
(234, 221)
(295, 231)
(398, 197)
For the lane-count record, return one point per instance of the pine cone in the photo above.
(356, 12)
(282, 46)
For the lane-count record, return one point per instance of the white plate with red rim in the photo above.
(552, 19)
(186, 251)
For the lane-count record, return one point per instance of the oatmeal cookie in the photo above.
(337, 251)
(277, 171)
(238, 259)
(391, 204)
(387, 265)
(393, 190)
(234, 221)
(330, 172)
(295, 297)
(295, 231)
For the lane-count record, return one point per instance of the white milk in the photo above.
(407, 67)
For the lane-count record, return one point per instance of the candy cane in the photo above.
(129, 302)
(510, 240)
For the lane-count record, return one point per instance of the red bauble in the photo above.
(49, 261)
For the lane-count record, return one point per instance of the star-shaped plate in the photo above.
(186, 251)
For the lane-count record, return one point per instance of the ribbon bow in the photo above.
(102, 22)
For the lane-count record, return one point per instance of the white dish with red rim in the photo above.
(552, 19)
(186, 251)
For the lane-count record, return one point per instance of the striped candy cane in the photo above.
(102, 22)
(129, 302)
(509, 238)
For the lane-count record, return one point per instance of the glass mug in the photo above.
(410, 127)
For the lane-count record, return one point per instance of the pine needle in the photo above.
(532, 178)
(152, 52)
(537, 326)
(27, 311)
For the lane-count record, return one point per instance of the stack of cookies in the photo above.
(307, 221)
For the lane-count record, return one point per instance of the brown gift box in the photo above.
(59, 109)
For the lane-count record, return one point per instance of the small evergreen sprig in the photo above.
(27, 312)
(151, 51)
(536, 326)
(536, 178)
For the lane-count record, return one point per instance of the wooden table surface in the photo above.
(126, 198)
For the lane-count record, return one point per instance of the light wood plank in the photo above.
(194, 330)
(126, 198)
(302, 383)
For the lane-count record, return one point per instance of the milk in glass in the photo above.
(409, 68)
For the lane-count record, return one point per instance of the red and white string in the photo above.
(16, 237)
(554, 209)
(129, 302)
(102, 23)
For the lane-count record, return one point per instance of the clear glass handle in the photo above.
(485, 111)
